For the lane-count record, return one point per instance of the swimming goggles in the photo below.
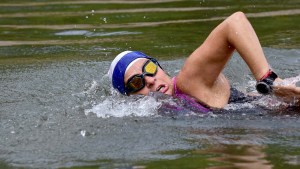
(137, 82)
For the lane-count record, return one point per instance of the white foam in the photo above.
(270, 102)
(237, 106)
(111, 107)
(289, 81)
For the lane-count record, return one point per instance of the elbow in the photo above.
(237, 17)
(236, 20)
(239, 14)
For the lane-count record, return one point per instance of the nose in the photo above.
(149, 81)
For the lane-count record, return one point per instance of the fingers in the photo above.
(297, 90)
(288, 90)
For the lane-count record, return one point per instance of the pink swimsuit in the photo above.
(189, 101)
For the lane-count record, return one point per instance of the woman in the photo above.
(200, 79)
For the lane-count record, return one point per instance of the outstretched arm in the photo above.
(287, 90)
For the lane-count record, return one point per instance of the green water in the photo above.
(27, 27)
(51, 51)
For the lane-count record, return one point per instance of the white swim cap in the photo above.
(118, 68)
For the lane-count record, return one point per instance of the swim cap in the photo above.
(118, 68)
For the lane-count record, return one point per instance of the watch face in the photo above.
(263, 88)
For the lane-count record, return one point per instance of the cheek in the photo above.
(162, 75)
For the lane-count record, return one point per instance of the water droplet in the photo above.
(83, 133)
(104, 19)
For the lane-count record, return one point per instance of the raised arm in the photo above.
(201, 75)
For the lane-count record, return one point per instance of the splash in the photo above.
(123, 107)
(271, 102)
(237, 106)
(289, 81)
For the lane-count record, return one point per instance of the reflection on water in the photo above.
(225, 157)
(57, 109)
(241, 157)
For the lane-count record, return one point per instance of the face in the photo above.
(160, 82)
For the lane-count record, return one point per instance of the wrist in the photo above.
(265, 84)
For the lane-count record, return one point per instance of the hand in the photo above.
(287, 90)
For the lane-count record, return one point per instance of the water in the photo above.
(59, 111)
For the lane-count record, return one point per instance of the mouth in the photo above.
(162, 88)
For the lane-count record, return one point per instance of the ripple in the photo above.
(110, 11)
(91, 34)
(87, 2)
(153, 24)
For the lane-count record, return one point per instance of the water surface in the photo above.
(57, 109)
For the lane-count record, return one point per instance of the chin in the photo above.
(169, 92)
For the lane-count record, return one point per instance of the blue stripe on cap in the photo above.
(120, 68)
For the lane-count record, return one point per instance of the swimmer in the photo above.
(200, 81)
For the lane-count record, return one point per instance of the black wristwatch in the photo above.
(265, 85)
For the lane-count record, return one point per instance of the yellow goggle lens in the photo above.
(150, 68)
